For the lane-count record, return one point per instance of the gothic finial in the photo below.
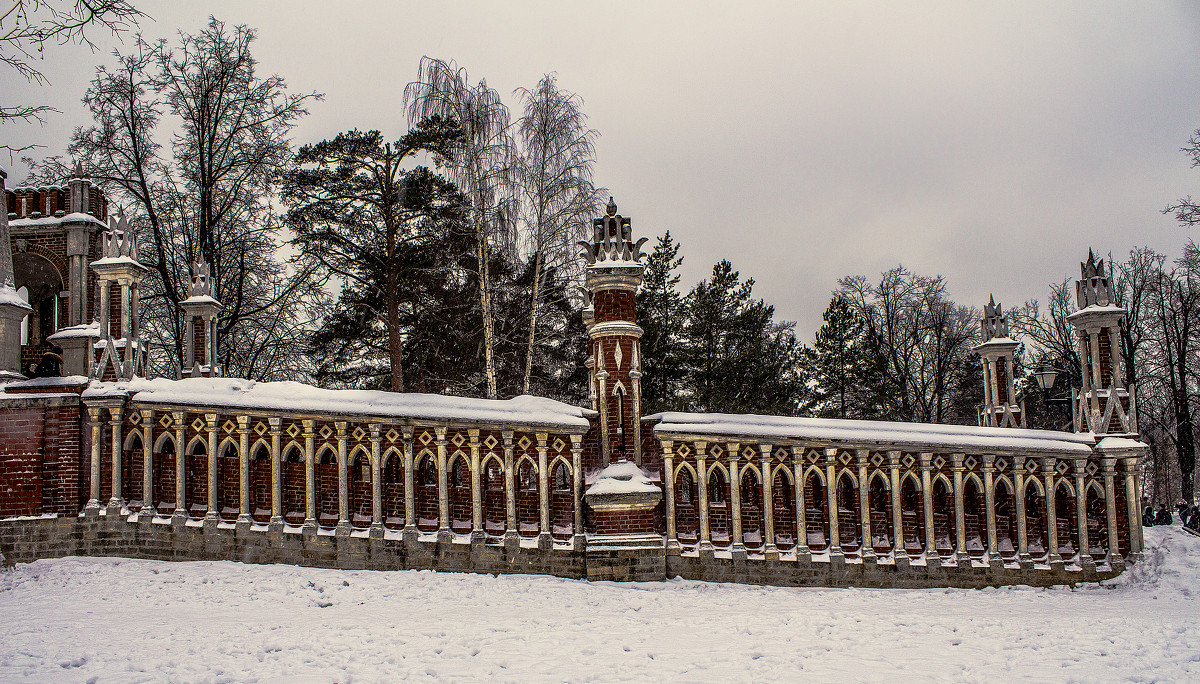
(78, 169)
(612, 207)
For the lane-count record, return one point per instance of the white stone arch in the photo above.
(133, 436)
(256, 445)
(787, 473)
(751, 468)
(391, 452)
(846, 473)
(290, 448)
(191, 446)
(321, 454)
(554, 464)
(419, 465)
(712, 467)
(488, 458)
(162, 439)
(878, 475)
(356, 452)
(682, 465)
(525, 458)
(229, 441)
(1036, 484)
(915, 480)
(820, 475)
(459, 456)
(973, 477)
(941, 477)
(1003, 479)
(1094, 485)
(1064, 483)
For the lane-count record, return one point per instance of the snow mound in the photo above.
(1170, 567)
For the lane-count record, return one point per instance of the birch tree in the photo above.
(482, 167)
(557, 195)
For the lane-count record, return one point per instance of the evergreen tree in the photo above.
(843, 369)
(739, 359)
(660, 312)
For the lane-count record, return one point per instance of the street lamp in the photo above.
(1045, 377)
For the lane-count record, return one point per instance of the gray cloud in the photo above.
(991, 144)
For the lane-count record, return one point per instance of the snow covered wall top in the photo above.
(295, 397)
(833, 431)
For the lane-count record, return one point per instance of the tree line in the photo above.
(443, 261)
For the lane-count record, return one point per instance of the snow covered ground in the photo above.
(113, 620)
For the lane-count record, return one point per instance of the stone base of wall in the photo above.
(853, 573)
(26, 540)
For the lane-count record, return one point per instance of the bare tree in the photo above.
(482, 168)
(28, 26)
(210, 198)
(924, 337)
(1186, 211)
(557, 195)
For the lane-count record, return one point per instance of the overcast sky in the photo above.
(992, 143)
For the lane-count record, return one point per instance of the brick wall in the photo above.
(21, 432)
(625, 522)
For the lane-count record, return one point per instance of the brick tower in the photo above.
(614, 272)
(1000, 407)
(119, 352)
(621, 496)
(1105, 405)
(200, 336)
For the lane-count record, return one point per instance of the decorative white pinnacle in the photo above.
(202, 285)
(995, 323)
(119, 240)
(1093, 288)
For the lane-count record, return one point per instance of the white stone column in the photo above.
(867, 547)
(705, 544)
(735, 498)
(1023, 556)
(931, 553)
(476, 491)
(770, 550)
(543, 492)
(1081, 521)
(579, 538)
(114, 425)
(243, 427)
(443, 534)
(273, 424)
(1133, 506)
(1055, 560)
(310, 479)
(376, 483)
(180, 514)
(898, 552)
(989, 503)
(831, 493)
(510, 490)
(1115, 561)
(410, 493)
(93, 503)
(669, 488)
(343, 524)
(803, 553)
(149, 505)
(210, 420)
(960, 520)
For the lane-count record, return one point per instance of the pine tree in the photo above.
(843, 369)
(660, 311)
(739, 359)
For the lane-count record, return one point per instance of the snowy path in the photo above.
(113, 620)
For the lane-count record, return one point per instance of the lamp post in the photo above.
(1045, 377)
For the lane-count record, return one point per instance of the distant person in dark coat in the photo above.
(51, 364)
(1148, 515)
(1164, 516)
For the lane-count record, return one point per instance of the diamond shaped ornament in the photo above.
(939, 462)
(359, 433)
(970, 462)
(425, 437)
(392, 435)
(524, 443)
(260, 428)
(165, 421)
(908, 460)
(559, 444)
(229, 426)
(683, 450)
(845, 458)
(292, 430)
(877, 460)
(197, 425)
(716, 451)
(490, 442)
(1062, 467)
(458, 439)
(134, 417)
